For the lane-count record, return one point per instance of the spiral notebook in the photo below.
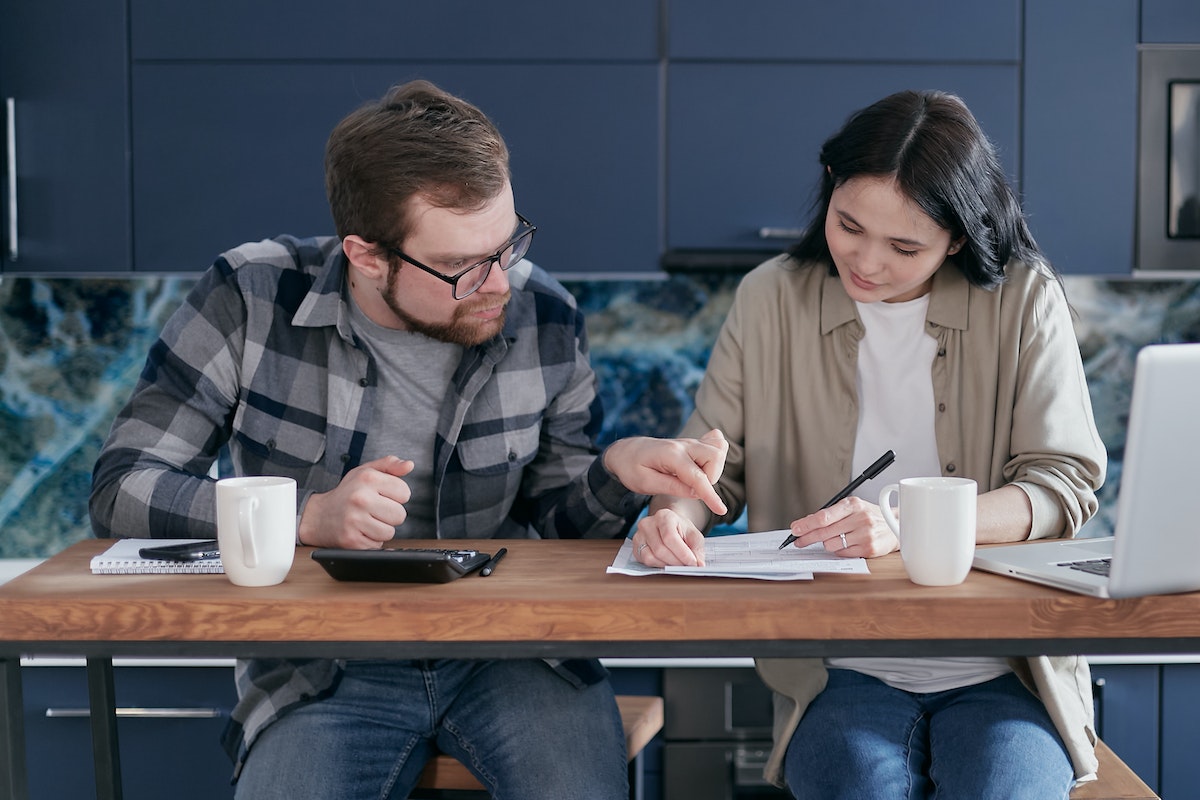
(123, 559)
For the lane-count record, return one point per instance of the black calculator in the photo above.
(400, 565)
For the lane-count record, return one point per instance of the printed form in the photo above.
(748, 555)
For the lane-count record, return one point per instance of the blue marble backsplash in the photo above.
(71, 350)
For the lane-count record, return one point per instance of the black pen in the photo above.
(493, 561)
(882, 463)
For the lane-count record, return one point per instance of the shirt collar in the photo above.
(948, 305)
(324, 304)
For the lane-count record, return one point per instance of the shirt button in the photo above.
(270, 445)
(512, 456)
(941, 352)
(345, 458)
(363, 382)
(941, 406)
(951, 468)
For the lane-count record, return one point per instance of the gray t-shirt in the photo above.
(414, 373)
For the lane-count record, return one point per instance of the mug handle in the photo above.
(246, 508)
(885, 507)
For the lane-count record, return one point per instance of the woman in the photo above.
(917, 315)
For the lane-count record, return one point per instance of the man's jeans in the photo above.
(524, 730)
(861, 738)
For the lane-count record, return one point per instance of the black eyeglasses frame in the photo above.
(527, 231)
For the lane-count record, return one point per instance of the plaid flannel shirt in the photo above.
(261, 358)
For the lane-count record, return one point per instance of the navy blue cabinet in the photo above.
(754, 91)
(1170, 21)
(370, 30)
(153, 134)
(169, 727)
(1147, 713)
(1079, 133)
(1127, 706)
(231, 115)
(1180, 731)
(227, 152)
(64, 87)
(851, 30)
(743, 138)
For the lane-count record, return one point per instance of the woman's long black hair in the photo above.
(940, 158)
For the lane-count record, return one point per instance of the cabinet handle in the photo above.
(10, 149)
(780, 233)
(139, 713)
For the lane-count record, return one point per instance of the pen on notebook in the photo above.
(490, 566)
(882, 463)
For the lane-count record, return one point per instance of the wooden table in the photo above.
(547, 598)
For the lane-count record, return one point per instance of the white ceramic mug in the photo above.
(256, 528)
(937, 516)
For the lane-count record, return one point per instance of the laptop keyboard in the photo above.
(1096, 566)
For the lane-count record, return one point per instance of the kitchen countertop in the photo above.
(12, 567)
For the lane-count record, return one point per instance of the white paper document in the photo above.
(748, 555)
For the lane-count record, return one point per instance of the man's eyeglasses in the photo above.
(466, 282)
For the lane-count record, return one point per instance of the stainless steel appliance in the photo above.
(716, 735)
(1168, 212)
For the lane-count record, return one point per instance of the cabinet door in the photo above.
(743, 139)
(388, 30)
(169, 738)
(1080, 133)
(1167, 21)
(226, 153)
(1127, 702)
(850, 30)
(64, 67)
(1180, 731)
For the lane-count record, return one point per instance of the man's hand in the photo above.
(677, 467)
(361, 512)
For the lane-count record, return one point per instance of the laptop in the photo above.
(1155, 546)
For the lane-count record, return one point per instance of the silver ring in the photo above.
(641, 547)
(844, 544)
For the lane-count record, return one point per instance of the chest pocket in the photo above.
(499, 453)
(269, 440)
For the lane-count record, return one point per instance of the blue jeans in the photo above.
(525, 731)
(861, 738)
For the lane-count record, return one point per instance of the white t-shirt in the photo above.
(896, 412)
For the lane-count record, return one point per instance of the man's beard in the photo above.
(460, 329)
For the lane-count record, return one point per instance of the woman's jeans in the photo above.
(861, 738)
(521, 728)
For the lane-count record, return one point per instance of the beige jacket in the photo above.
(1012, 407)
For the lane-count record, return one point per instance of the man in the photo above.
(419, 379)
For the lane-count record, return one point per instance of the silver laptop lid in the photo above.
(1157, 548)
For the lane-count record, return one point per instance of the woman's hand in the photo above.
(852, 528)
(667, 538)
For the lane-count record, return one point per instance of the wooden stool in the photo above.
(641, 716)
(1114, 780)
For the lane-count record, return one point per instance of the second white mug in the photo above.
(936, 527)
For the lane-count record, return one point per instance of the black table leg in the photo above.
(14, 781)
(105, 752)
